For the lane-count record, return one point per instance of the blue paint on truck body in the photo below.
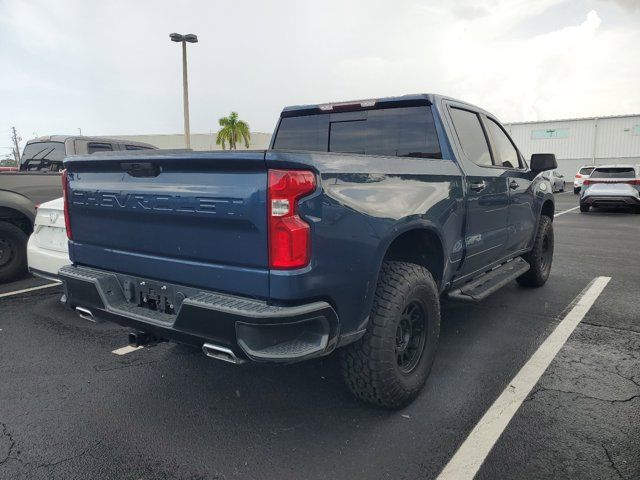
(201, 222)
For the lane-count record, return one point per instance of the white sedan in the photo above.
(47, 250)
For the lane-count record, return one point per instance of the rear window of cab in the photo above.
(397, 132)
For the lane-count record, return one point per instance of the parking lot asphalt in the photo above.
(70, 408)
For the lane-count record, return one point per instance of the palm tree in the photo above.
(231, 132)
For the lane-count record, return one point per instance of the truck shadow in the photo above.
(476, 340)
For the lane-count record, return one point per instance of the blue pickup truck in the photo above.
(344, 235)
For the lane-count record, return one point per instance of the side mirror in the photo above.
(541, 162)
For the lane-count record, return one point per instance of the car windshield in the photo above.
(586, 171)
(614, 172)
(43, 156)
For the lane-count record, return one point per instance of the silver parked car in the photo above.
(612, 186)
(556, 179)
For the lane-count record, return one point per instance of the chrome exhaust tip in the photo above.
(86, 314)
(221, 353)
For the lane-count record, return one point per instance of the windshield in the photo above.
(586, 171)
(614, 172)
(43, 156)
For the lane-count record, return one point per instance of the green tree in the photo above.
(233, 130)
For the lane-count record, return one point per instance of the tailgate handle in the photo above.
(141, 169)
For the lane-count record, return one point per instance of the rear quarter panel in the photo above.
(362, 204)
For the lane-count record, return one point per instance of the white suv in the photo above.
(581, 176)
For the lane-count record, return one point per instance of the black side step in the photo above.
(491, 281)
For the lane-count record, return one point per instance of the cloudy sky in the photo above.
(109, 67)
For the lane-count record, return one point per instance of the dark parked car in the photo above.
(344, 235)
(38, 181)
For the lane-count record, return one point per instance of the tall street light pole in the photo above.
(191, 38)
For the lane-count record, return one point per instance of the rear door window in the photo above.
(397, 132)
(471, 136)
(93, 147)
(614, 172)
(504, 150)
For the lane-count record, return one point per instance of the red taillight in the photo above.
(578, 175)
(586, 182)
(289, 235)
(634, 182)
(65, 194)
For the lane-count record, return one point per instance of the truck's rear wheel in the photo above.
(390, 364)
(13, 252)
(540, 257)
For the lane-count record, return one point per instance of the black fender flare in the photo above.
(399, 228)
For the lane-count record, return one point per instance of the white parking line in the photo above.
(25, 290)
(125, 350)
(566, 211)
(473, 452)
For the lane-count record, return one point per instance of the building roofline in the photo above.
(557, 120)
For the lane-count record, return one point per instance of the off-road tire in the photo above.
(371, 366)
(584, 208)
(13, 259)
(540, 257)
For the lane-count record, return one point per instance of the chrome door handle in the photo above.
(513, 185)
(478, 186)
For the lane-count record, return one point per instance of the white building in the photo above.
(199, 141)
(581, 141)
(575, 142)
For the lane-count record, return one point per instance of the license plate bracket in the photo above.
(153, 296)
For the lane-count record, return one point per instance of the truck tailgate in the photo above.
(197, 219)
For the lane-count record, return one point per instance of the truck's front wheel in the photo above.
(390, 364)
(540, 256)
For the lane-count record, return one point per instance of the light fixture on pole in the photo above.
(191, 38)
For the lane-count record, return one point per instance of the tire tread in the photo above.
(366, 372)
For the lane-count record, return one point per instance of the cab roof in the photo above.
(411, 100)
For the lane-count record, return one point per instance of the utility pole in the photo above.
(191, 38)
(16, 146)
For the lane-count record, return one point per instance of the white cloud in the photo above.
(109, 67)
(580, 69)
